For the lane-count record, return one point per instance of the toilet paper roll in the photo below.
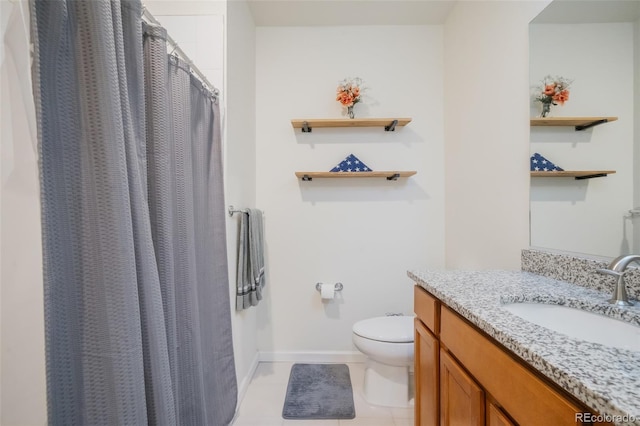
(327, 291)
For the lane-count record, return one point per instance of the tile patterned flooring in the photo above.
(263, 402)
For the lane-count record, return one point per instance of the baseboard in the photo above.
(246, 381)
(312, 356)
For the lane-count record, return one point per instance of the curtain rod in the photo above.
(175, 49)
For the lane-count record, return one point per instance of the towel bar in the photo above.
(338, 286)
(233, 210)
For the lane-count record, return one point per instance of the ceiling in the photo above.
(349, 12)
(589, 11)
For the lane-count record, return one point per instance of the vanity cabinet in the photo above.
(465, 377)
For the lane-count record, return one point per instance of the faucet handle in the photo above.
(619, 297)
(610, 272)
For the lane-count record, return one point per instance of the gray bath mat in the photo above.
(319, 391)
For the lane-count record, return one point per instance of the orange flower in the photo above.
(346, 99)
(561, 97)
(549, 89)
(348, 91)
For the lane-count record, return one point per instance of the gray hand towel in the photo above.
(256, 243)
(250, 271)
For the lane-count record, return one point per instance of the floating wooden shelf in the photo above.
(389, 124)
(580, 123)
(389, 175)
(577, 174)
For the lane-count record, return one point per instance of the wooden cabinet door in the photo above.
(495, 416)
(461, 399)
(427, 350)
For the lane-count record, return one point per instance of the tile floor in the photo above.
(263, 402)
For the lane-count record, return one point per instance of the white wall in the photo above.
(487, 133)
(186, 7)
(586, 215)
(364, 233)
(22, 366)
(240, 143)
(636, 135)
(201, 37)
(199, 29)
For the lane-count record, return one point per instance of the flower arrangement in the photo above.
(553, 91)
(349, 93)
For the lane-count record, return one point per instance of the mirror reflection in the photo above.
(596, 45)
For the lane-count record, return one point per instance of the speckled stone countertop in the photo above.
(604, 378)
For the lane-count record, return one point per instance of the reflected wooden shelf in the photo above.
(580, 123)
(577, 174)
(389, 175)
(389, 124)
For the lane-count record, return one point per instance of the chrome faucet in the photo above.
(618, 268)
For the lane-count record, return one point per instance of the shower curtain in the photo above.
(137, 309)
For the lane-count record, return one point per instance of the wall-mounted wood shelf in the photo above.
(577, 174)
(389, 175)
(580, 123)
(389, 124)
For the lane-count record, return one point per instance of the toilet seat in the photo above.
(392, 329)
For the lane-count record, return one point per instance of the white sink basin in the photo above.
(580, 324)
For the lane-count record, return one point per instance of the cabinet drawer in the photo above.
(427, 309)
(527, 399)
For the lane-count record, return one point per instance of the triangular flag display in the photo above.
(351, 164)
(541, 164)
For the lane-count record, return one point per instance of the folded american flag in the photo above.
(541, 164)
(351, 164)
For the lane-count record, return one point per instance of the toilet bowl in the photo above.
(388, 344)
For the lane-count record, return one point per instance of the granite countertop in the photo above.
(604, 378)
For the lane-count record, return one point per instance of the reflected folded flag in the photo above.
(351, 164)
(541, 164)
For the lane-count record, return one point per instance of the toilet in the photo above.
(388, 344)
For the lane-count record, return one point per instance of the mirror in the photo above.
(596, 44)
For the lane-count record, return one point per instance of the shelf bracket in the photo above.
(306, 128)
(394, 176)
(592, 124)
(391, 127)
(596, 175)
(307, 178)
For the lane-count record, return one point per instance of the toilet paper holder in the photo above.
(337, 286)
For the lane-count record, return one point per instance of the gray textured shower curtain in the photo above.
(137, 303)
